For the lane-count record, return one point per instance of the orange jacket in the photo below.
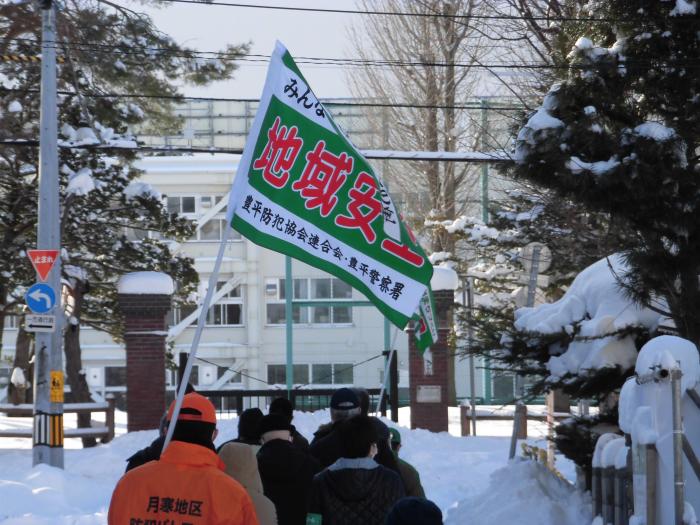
(186, 486)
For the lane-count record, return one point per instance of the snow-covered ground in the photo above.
(469, 478)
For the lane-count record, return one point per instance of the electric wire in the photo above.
(488, 106)
(353, 62)
(396, 13)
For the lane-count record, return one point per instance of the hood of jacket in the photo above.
(241, 464)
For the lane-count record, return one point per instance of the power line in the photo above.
(443, 156)
(330, 103)
(352, 62)
(392, 13)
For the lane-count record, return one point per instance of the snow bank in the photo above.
(526, 493)
(595, 303)
(451, 469)
(141, 283)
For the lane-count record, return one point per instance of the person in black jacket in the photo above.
(283, 407)
(286, 471)
(355, 489)
(325, 446)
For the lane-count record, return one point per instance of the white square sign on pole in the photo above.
(39, 323)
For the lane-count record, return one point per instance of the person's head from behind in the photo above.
(248, 423)
(196, 422)
(282, 407)
(395, 440)
(358, 437)
(363, 398)
(344, 404)
(414, 511)
(274, 426)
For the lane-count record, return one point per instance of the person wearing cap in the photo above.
(187, 484)
(241, 464)
(355, 489)
(283, 407)
(409, 475)
(286, 471)
(325, 446)
(152, 452)
(414, 511)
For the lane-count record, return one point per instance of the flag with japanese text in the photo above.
(304, 190)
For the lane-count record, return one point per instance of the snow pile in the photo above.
(598, 306)
(14, 107)
(141, 189)
(683, 7)
(474, 229)
(444, 278)
(646, 414)
(525, 493)
(538, 126)
(655, 131)
(17, 378)
(81, 183)
(141, 283)
(667, 352)
(576, 166)
(451, 469)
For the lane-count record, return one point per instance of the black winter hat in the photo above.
(273, 422)
(414, 511)
(344, 399)
(282, 406)
(248, 424)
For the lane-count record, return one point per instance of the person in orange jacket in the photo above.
(187, 485)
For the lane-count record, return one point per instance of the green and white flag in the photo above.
(304, 190)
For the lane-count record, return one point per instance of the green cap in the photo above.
(395, 435)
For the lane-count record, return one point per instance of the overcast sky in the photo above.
(209, 28)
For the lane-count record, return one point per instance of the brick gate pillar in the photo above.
(144, 299)
(428, 372)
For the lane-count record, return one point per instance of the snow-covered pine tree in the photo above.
(621, 135)
(107, 49)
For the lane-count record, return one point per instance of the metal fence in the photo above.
(307, 399)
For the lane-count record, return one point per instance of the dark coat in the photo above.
(287, 474)
(299, 441)
(150, 453)
(411, 479)
(326, 445)
(353, 496)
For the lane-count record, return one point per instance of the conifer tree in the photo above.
(621, 134)
(114, 63)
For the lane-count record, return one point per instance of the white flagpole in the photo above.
(213, 279)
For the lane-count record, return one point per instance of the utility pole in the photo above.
(48, 369)
(484, 166)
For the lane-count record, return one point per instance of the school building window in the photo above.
(228, 311)
(309, 289)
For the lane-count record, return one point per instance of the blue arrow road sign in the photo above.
(40, 298)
